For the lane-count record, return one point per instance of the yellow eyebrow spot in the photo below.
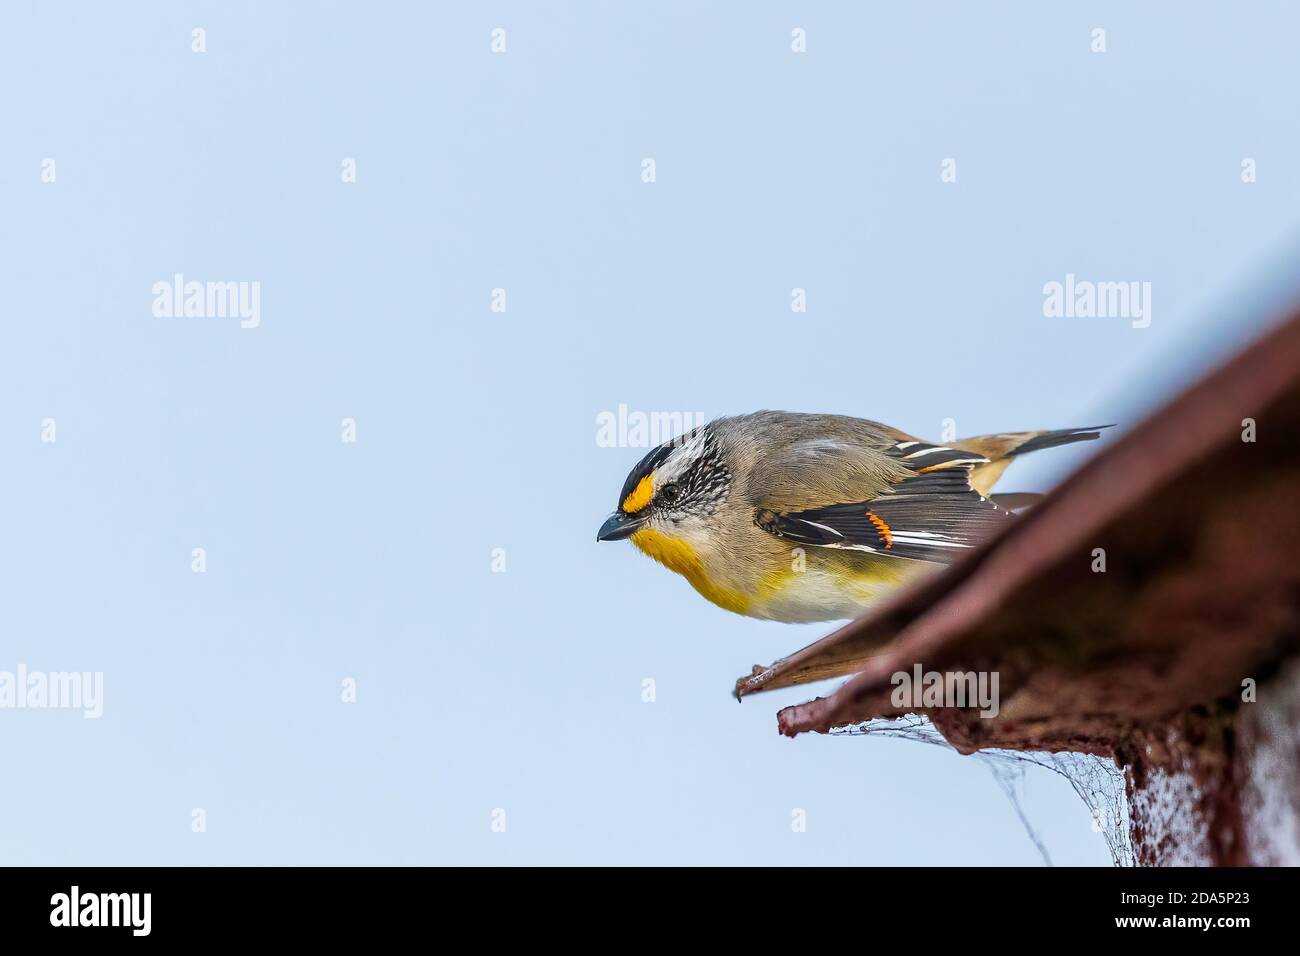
(640, 496)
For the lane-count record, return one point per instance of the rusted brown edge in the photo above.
(1191, 425)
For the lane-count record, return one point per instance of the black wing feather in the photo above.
(934, 516)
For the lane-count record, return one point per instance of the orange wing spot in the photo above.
(882, 528)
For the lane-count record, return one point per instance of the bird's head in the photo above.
(674, 492)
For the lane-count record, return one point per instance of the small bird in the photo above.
(795, 517)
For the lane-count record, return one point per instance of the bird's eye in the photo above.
(669, 493)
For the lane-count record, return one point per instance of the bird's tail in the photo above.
(1001, 449)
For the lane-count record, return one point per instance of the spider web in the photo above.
(1097, 781)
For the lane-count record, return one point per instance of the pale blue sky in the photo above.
(476, 430)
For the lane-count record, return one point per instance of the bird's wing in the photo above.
(932, 513)
(825, 469)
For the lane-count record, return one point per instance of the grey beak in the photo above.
(617, 527)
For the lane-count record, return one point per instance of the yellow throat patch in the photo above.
(677, 555)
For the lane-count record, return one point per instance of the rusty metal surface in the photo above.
(1202, 588)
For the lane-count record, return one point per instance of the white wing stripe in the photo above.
(926, 451)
